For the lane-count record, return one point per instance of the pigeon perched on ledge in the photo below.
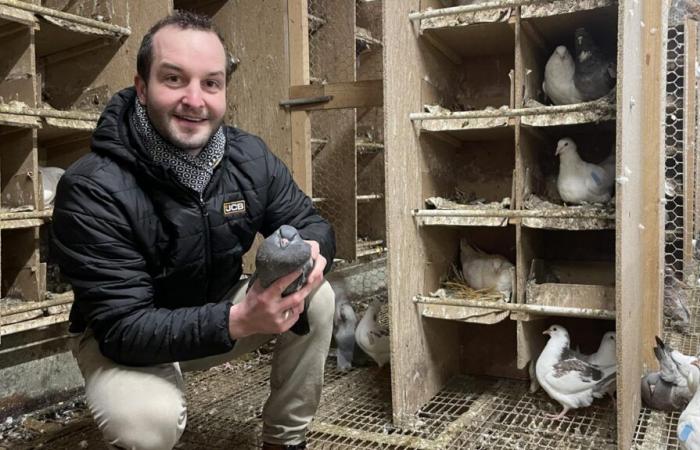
(280, 254)
(605, 356)
(558, 82)
(595, 74)
(568, 379)
(580, 181)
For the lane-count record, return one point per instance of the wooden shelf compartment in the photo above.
(21, 269)
(17, 64)
(467, 68)
(472, 171)
(19, 186)
(551, 25)
(539, 168)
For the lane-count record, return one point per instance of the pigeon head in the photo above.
(557, 332)
(607, 344)
(565, 145)
(562, 52)
(584, 44)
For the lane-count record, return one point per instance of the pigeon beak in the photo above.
(547, 332)
(284, 242)
(558, 151)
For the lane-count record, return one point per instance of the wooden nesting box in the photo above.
(471, 154)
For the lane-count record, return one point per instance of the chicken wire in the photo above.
(347, 144)
(680, 167)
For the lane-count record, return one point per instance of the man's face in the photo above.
(186, 92)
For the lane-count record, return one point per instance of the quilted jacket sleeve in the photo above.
(96, 251)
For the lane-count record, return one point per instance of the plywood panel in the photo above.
(421, 358)
(689, 137)
(639, 222)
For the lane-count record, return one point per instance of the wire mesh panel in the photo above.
(680, 168)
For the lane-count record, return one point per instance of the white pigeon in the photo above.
(558, 82)
(605, 356)
(569, 380)
(580, 181)
(49, 181)
(344, 323)
(689, 422)
(372, 338)
(667, 389)
(483, 271)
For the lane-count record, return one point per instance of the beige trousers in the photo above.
(144, 408)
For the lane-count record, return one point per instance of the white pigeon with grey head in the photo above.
(568, 379)
(49, 181)
(666, 389)
(486, 271)
(689, 421)
(344, 322)
(594, 76)
(558, 82)
(580, 181)
(371, 337)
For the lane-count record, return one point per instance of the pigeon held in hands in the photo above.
(689, 422)
(558, 82)
(666, 389)
(280, 254)
(595, 74)
(568, 379)
(580, 181)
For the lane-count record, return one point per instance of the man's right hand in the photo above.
(265, 311)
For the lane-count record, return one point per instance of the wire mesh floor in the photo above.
(225, 407)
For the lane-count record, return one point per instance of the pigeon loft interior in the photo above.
(438, 138)
(569, 258)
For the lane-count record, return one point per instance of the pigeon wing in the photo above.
(572, 376)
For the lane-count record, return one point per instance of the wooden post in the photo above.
(640, 162)
(689, 138)
(299, 75)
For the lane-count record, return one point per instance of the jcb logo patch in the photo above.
(231, 208)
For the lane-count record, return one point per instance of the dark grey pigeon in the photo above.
(280, 254)
(667, 389)
(594, 76)
(676, 295)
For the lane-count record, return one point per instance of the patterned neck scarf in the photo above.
(192, 171)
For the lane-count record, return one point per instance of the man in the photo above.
(150, 228)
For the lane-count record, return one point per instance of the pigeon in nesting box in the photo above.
(595, 73)
(280, 254)
(372, 338)
(676, 302)
(49, 181)
(605, 356)
(689, 422)
(580, 181)
(344, 323)
(667, 389)
(558, 82)
(568, 379)
(483, 271)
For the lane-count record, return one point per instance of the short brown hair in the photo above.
(183, 20)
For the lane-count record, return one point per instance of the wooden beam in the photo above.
(354, 94)
(299, 74)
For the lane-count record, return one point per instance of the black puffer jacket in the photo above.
(149, 262)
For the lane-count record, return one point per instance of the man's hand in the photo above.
(265, 311)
